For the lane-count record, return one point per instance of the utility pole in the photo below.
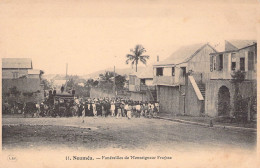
(66, 76)
(114, 87)
(114, 80)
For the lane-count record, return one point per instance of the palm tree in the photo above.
(137, 56)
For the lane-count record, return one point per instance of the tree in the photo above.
(106, 81)
(70, 84)
(46, 84)
(120, 82)
(239, 104)
(137, 56)
(107, 77)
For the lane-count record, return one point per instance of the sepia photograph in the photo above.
(128, 83)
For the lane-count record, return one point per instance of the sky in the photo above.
(95, 35)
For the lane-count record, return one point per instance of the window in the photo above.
(242, 64)
(173, 71)
(183, 71)
(214, 63)
(220, 62)
(233, 61)
(159, 71)
(211, 63)
(15, 75)
(251, 61)
(142, 81)
(131, 80)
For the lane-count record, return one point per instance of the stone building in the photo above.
(239, 55)
(197, 80)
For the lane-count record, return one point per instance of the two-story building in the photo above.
(181, 78)
(141, 85)
(18, 74)
(238, 55)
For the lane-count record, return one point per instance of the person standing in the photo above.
(146, 110)
(103, 110)
(129, 111)
(113, 108)
(122, 107)
(94, 109)
(83, 114)
(119, 112)
(138, 109)
(152, 110)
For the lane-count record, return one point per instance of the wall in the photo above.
(8, 73)
(139, 96)
(201, 63)
(226, 72)
(24, 85)
(149, 82)
(98, 93)
(169, 98)
(193, 106)
(168, 80)
(134, 83)
(247, 89)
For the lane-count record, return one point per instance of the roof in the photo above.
(183, 54)
(33, 72)
(17, 63)
(241, 43)
(145, 73)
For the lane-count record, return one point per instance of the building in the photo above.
(20, 82)
(181, 78)
(141, 85)
(239, 55)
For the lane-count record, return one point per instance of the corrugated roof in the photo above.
(17, 63)
(241, 43)
(183, 54)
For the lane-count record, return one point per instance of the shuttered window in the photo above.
(250, 61)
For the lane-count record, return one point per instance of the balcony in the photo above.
(249, 75)
(164, 80)
(146, 87)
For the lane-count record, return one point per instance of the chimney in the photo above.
(157, 58)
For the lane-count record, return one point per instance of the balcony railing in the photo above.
(146, 87)
(249, 75)
(168, 80)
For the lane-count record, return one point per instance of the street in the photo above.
(136, 133)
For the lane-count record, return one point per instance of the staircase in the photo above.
(152, 94)
(202, 89)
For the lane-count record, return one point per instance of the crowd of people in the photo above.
(117, 107)
(114, 107)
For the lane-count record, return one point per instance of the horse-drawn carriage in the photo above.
(64, 104)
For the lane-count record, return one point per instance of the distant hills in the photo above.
(122, 71)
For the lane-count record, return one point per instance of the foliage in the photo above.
(14, 91)
(107, 79)
(120, 82)
(238, 76)
(240, 105)
(137, 56)
(29, 94)
(91, 83)
(70, 83)
(46, 84)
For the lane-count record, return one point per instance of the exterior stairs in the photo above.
(202, 89)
